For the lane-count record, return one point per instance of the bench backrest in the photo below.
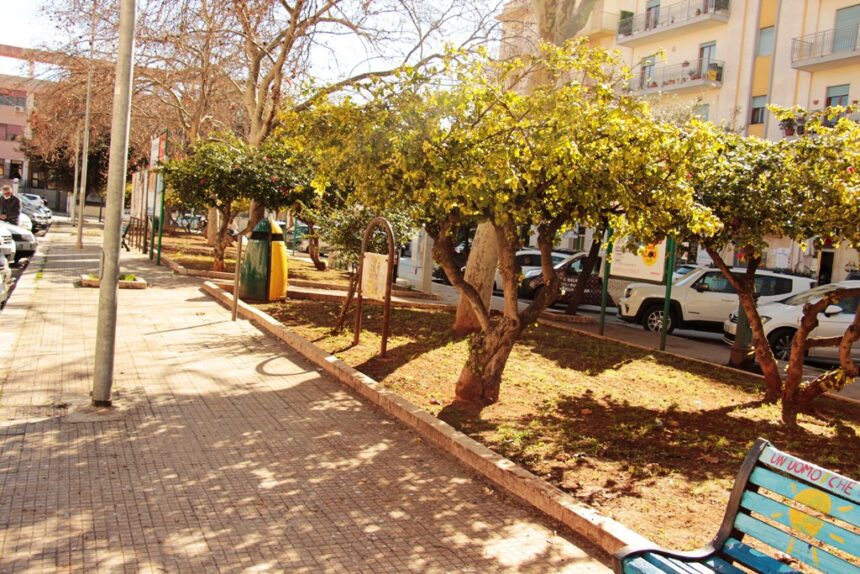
(796, 508)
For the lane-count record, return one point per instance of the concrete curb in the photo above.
(602, 531)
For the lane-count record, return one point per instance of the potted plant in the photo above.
(787, 126)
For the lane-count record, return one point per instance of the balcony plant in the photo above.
(787, 125)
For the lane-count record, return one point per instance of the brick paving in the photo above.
(227, 452)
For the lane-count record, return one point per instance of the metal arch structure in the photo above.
(386, 318)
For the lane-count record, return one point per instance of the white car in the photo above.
(7, 243)
(25, 222)
(25, 241)
(5, 280)
(782, 319)
(701, 299)
(528, 260)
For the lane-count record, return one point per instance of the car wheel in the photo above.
(780, 343)
(652, 319)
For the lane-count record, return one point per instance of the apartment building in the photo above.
(725, 61)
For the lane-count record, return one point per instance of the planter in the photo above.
(136, 283)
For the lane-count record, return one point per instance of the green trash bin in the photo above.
(257, 264)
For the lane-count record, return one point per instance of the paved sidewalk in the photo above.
(227, 452)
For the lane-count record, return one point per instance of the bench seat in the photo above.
(804, 517)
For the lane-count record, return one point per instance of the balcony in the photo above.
(694, 75)
(826, 49)
(664, 20)
(600, 25)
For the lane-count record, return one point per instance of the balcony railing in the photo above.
(688, 75)
(830, 44)
(673, 14)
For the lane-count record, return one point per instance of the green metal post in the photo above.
(604, 292)
(295, 233)
(667, 303)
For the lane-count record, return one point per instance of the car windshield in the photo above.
(810, 296)
(556, 259)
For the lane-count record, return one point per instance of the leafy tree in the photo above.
(557, 21)
(215, 174)
(476, 150)
(759, 189)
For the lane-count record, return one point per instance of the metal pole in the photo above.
(236, 276)
(667, 303)
(161, 218)
(106, 327)
(604, 291)
(77, 168)
(86, 152)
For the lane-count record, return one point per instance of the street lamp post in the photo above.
(121, 118)
(86, 153)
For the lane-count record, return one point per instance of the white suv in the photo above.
(782, 319)
(701, 299)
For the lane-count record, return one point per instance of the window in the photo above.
(11, 132)
(646, 73)
(765, 41)
(652, 14)
(702, 111)
(849, 304)
(716, 283)
(837, 95)
(529, 260)
(15, 169)
(13, 98)
(758, 109)
(845, 33)
(767, 286)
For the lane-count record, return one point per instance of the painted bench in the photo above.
(803, 517)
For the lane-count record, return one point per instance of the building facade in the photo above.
(726, 61)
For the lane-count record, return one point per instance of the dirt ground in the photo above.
(650, 440)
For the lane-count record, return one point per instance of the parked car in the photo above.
(853, 276)
(568, 271)
(25, 241)
(37, 198)
(781, 320)
(528, 260)
(5, 280)
(684, 269)
(702, 299)
(7, 243)
(461, 257)
(41, 220)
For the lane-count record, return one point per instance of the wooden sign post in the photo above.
(370, 268)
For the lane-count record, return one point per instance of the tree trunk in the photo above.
(256, 212)
(480, 272)
(797, 398)
(481, 377)
(314, 252)
(587, 270)
(763, 352)
(221, 243)
(745, 289)
(212, 221)
(353, 285)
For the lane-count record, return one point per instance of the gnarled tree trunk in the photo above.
(222, 241)
(481, 377)
(480, 272)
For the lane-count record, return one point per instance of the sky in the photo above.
(21, 27)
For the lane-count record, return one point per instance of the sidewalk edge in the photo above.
(602, 531)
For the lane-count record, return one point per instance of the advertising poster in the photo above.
(639, 262)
